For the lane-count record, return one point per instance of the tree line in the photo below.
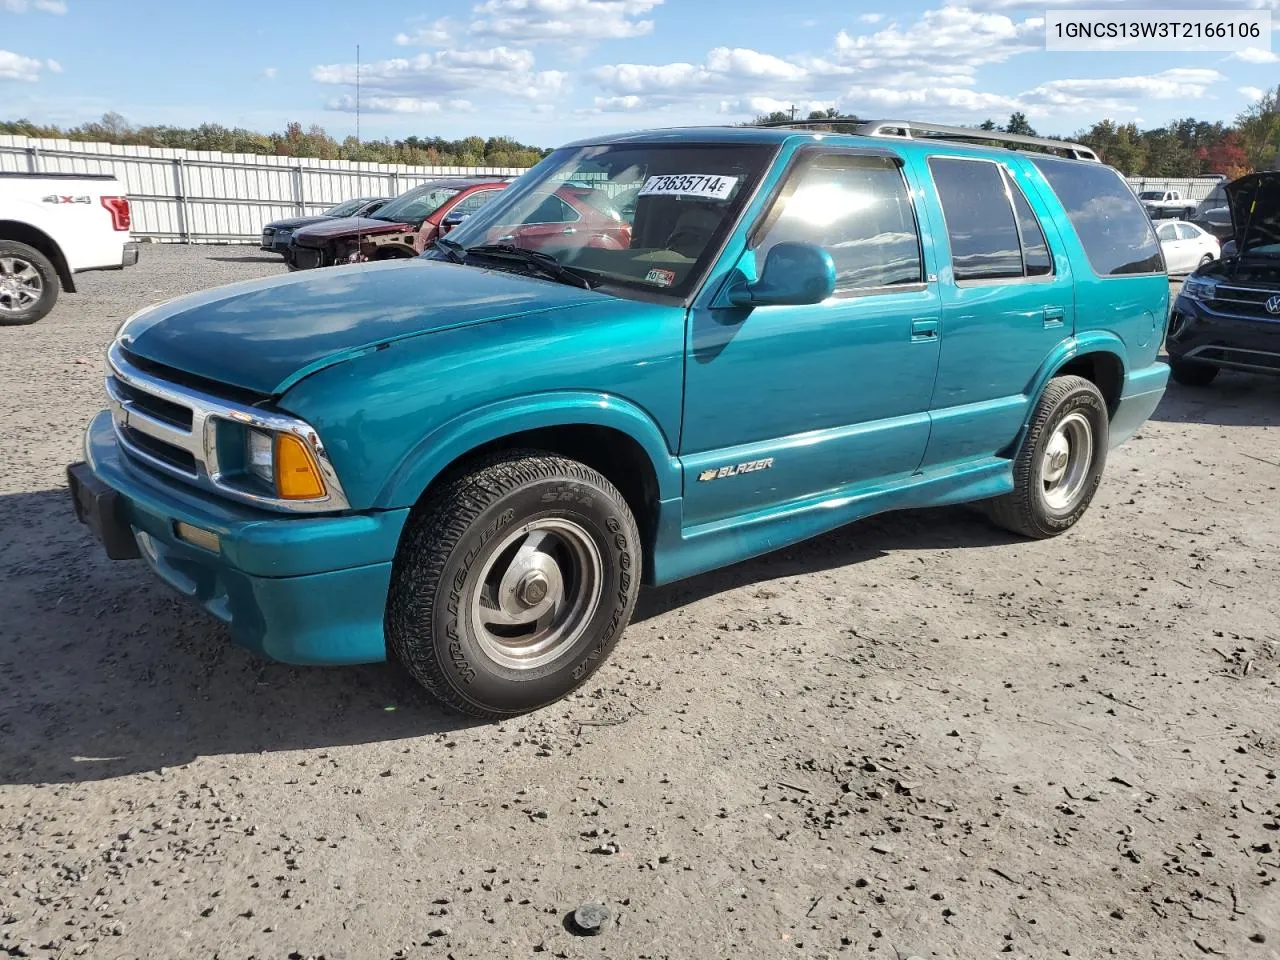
(1184, 148)
(294, 141)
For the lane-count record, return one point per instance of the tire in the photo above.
(29, 284)
(1205, 261)
(560, 522)
(1060, 463)
(1190, 373)
(1188, 213)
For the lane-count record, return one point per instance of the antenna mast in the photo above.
(357, 94)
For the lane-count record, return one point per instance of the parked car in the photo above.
(1167, 203)
(470, 460)
(1213, 215)
(1227, 314)
(1185, 246)
(277, 234)
(402, 228)
(53, 226)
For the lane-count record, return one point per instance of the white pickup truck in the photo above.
(1163, 204)
(53, 226)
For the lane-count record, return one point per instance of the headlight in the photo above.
(1199, 289)
(284, 463)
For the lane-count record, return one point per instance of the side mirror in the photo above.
(794, 274)
(452, 220)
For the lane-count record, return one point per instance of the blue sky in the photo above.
(545, 71)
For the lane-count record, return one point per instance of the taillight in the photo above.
(118, 207)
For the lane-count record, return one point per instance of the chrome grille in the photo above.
(174, 429)
(1247, 301)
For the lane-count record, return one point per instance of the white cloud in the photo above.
(435, 34)
(1119, 5)
(1255, 55)
(530, 21)
(14, 66)
(347, 104)
(404, 85)
(269, 73)
(1117, 94)
(1251, 93)
(871, 18)
(54, 66)
(48, 6)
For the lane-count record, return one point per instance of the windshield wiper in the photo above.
(548, 264)
(452, 249)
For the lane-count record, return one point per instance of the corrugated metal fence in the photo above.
(198, 196)
(1192, 188)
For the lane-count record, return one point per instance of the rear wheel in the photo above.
(1189, 373)
(28, 284)
(1060, 463)
(513, 582)
(1206, 260)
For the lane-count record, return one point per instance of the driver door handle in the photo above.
(924, 330)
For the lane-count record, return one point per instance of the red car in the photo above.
(403, 228)
(572, 216)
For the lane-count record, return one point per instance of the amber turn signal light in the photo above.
(297, 475)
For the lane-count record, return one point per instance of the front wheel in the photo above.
(1060, 463)
(513, 583)
(1205, 260)
(28, 284)
(1190, 373)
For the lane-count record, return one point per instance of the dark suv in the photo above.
(1228, 312)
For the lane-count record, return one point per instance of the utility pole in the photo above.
(793, 111)
(357, 94)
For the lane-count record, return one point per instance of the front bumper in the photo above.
(1202, 334)
(309, 590)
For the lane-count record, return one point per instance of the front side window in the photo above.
(856, 207)
(416, 205)
(637, 216)
(1112, 225)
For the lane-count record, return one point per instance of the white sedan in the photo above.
(1186, 247)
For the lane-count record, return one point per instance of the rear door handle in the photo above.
(924, 331)
(1054, 316)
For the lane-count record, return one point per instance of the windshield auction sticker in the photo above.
(1170, 31)
(701, 185)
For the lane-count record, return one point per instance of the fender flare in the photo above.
(1092, 341)
(468, 431)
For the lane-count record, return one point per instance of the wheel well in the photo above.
(390, 252)
(621, 460)
(1105, 371)
(25, 233)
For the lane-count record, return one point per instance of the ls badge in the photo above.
(751, 466)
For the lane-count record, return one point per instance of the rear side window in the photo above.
(1112, 225)
(856, 207)
(1035, 252)
(980, 225)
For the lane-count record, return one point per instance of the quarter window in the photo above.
(1113, 228)
(1036, 261)
(857, 208)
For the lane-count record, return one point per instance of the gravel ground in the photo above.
(914, 737)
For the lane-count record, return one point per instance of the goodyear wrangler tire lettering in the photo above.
(474, 524)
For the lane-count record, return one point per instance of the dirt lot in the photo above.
(916, 737)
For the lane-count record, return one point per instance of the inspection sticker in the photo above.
(663, 278)
(702, 185)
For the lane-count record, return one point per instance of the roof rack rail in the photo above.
(914, 129)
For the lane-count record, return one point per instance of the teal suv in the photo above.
(652, 355)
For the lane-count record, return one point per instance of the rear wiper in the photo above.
(535, 258)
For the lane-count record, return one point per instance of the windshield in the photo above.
(647, 216)
(1151, 195)
(416, 205)
(346, 208)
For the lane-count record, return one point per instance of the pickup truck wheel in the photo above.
(1189, 373)
(513, 582)
(28, 284)
(1060, 463)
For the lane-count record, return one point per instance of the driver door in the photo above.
(784, 403)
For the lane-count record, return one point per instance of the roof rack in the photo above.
(914, 129)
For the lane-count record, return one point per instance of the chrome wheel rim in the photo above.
(536, 593)
(21, 285)
(1068, 455)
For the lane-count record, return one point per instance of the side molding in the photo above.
(434, 452)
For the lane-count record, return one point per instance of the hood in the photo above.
(1255, 209)
(295, 222)
(350, 226)
(265, 335)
